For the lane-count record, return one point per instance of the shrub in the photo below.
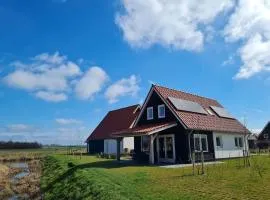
(71, 164)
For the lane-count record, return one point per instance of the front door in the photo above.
(166, 148)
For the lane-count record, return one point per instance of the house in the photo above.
(101, 141)
(171, 125)
(252, 141)
(264, 137)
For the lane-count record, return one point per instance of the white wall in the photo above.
(110, 145)
(228, 150)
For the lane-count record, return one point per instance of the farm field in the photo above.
(69, 177)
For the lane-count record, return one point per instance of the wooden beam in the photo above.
(151, 156)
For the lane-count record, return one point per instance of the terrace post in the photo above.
(118, 152)
(151, 156)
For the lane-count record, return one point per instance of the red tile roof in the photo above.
(144, 129)
(114, 121)
(197, 121)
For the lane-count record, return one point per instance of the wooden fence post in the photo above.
(193, 163)
(202, 160)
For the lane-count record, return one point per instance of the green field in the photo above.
(79, 176)
(69, 177)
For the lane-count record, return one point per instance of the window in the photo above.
(265, 136)
(238, 141)
(150, 113)
(145, 143)
(200, 142)
(161, 111)
(219, 142)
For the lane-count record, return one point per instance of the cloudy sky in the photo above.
(65, 63)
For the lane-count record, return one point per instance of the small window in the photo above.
(200, 142)
(238, 141)
(219, 142)
(161, 111)
(150, 113)
(197, 144)
(265, 136)
(145, 143)
(204, 144)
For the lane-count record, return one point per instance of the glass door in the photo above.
(161, 150)
(166, 148)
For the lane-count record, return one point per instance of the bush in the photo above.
(71, 164)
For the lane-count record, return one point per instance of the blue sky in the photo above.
(65, 63)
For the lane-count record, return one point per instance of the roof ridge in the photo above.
(122, 108)
(196, 95)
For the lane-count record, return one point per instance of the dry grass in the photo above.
(30, 184)
(5, 190)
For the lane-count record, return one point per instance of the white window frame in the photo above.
(237, 145)
(221, 142)
(200, 136)
(143, 150)
(159, 114)
(148, 110)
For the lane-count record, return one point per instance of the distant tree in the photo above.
(19, 145)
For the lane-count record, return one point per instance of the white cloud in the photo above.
(250, 25)
(91, 83)
(19, 128)
(229, 61)
(72, 135)
(124, 87)
(64, 121)
(35, 81)
(48, 76)
(171, 23)
(255, 55)
(51, 96)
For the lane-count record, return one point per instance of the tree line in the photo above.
(19, 145)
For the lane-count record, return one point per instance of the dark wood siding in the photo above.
(154, 101)
(262, 141)
(181, 143)
(139, 155)
(95, 146)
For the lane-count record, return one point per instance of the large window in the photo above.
(219, 143)
(150, 114)
(145, 143)
(161, 111)
(238, 141)
(200, 142)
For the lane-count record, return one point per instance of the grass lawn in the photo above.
(96, 178)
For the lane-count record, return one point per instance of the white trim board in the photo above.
(150, 133)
